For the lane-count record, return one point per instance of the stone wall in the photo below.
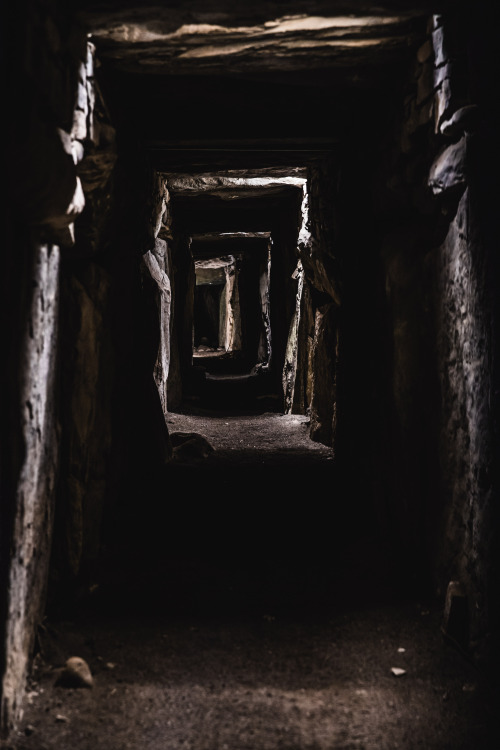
(282, 288)
(317, 366)
(81, 331)
(465, 450)
(47, 56)
(31, 491)
(467, 319)
(435, 232)
(114, 301)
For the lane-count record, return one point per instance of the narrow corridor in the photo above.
(249, 443)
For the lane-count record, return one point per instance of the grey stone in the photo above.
(77, 151)
(398, 671)
(79, 128)
(449, 169)
(464, 120)
(95, 168)
(446, 47)
(37, 478)
(436, 21)
(442, 72)
(89, 63)
(438, 43)
(188, 445)
(323, 378)
(76, 673)
(443, 102)
(82, 97)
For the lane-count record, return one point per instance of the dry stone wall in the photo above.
(73, 255)
(31, 534)
(310, 369)
(433, 219)
(464, 325)
(45, 53)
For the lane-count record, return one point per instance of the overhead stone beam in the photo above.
(160, 40)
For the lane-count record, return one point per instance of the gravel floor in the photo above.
(236, 610)
(262, 683)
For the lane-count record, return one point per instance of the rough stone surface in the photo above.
(443, 103)
(317, 250)
(324, 363)
(450, 65)
(45, 190)
(291, 354)
(465, 377)
(33, 521)
(261, 41)
(190, 445)
(158, 264)
(448, 171)
(463, 120)
(75, 674)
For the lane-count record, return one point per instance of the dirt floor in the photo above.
(250, 605)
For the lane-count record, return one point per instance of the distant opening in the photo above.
(231, 307)
(234, 251)
(216, 314)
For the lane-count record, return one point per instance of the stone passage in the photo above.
(250, 341)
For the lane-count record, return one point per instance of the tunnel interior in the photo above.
(251, 217)
(241, 306)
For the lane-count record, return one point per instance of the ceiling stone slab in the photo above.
(214, 85)
(231, 188)
(165, 40)
(174, 14)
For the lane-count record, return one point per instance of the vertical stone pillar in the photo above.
(291, 354)
(265, 343)
(31, 533)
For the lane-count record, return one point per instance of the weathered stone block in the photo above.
(77, 151)
(89, 62)
(75, 674)
(82, 98)
(438, 43)
(446, 43)
(79, 128)
(449, 169)
(91, 118)
(464, 120)
(435, 22)
(324, 359)
(36, 478)
(443, 102)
